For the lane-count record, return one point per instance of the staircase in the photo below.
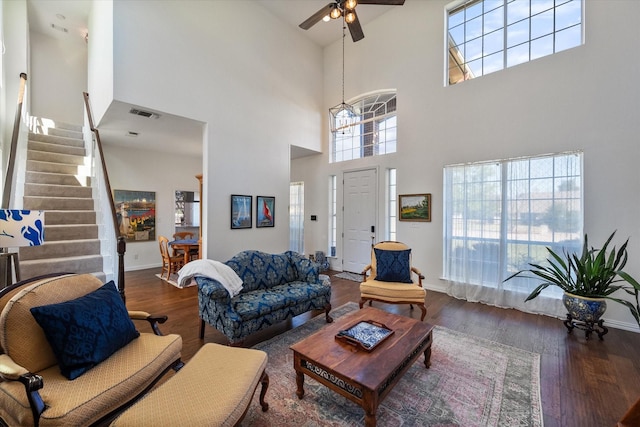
(55, 183)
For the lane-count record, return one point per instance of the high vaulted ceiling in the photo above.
(66, 20)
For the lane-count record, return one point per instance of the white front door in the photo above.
(360, 190)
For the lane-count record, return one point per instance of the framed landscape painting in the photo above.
(136, 214)
(414, 207)
(241, 211)
(265, 211)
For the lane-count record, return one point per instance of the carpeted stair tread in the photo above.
(47, 156)
(40, 166)
(54, 190)
(54, 139)
(61, 248)
(79, 264)
(57, 232)
(55, 148)
(68, 133)
(55, 217)
(58, 203)
(57, 179)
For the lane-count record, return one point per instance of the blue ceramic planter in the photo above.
(584, 309)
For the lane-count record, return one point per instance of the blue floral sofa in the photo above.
(275, 287)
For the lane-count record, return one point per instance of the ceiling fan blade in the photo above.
(316, 17)
(383, 2)
(356, 29)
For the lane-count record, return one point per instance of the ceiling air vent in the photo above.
(143, 113)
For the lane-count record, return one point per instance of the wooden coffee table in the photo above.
(364, 377)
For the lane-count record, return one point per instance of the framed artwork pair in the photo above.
(242, 211)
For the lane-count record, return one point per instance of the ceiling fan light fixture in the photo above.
(343, 116)
(350, 4)
(326, 18)
(350, 17)
(335, 12)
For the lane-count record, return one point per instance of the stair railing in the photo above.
(122, 246)
(11, 162)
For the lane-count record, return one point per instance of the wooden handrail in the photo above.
(8, 181)
(122, 245)
(104, 165)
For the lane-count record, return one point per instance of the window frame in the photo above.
(296, 216)
(372, 132)
(392, 203)
(475, 36)
(498, 189)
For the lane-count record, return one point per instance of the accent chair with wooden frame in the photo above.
(45, 382)
(170, 263)
(389, 277)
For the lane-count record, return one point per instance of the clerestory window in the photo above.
(484, 36)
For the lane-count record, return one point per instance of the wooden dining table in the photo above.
(185, 246)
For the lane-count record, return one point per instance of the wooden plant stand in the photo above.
(588, 327)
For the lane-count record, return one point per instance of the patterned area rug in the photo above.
(471, 382)
(354, 277)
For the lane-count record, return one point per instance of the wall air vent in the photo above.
(132, 133)
(143, 113)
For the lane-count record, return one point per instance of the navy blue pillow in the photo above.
(87, 330)
(393, 266)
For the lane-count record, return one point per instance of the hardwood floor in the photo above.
(583, 383)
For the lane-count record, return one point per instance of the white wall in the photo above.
(257, 85)
(14, 60)
(131, 169)
(58, 70)
(586, 98)
(100, 57)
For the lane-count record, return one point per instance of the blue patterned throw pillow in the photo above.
(393, 266)
(87, 330)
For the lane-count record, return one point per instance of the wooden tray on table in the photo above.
(366, 334)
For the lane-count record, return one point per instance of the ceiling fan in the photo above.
(346, 9)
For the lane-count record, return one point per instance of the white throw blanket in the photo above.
(214, 270)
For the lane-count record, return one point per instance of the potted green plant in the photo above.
(588, 280)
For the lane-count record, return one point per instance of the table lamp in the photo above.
(18, 228)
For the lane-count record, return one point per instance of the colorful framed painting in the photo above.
(241, 211)
(265, 211)
(414, 207)
(136, 214)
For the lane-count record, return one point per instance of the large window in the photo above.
(392, 206)
(371, 132)
(296, 217)
(489, 35)
(333, 214)
(501, 215)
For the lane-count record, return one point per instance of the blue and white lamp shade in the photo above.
(21, 228)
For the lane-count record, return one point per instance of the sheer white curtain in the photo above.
(296, 217)
(501, 215)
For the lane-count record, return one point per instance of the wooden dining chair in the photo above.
(183, 235)
(170, 263)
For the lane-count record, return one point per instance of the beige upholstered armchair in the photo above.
(389, 277)
(70, 354)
